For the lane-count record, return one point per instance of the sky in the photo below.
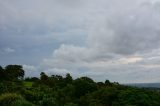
(117, 40)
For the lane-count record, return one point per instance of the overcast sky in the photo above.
(117, 40)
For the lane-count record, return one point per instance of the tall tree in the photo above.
(2, 74)
(14, 71)
(84, 85)
(108, 83)
(44, 77)
(68, 78)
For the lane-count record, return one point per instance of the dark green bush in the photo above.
(22, 103)
(13, 99)
(8, 99)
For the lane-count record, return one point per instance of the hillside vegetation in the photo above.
(56, 90)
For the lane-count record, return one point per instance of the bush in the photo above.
(8, 99)
(48, 102)
(22, 103)
(13, 99)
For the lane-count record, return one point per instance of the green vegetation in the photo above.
(27, 83)
(56, 90)
(12, 99)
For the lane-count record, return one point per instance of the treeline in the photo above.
(11, 72)
(56, 90)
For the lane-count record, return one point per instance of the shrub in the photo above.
(22, 103)
(13, 99)
(8, 99)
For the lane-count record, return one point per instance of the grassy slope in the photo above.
(27, 84)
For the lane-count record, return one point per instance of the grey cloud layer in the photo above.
(118, 40)
(127, 32)
(117, 45)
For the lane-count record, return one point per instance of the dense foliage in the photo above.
(56, 90)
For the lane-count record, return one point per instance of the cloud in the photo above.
(117, 40)
(7, 50)
(129, 31)
(119, 45)
(31, 71)
(35, 28)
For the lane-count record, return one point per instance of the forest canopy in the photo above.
(57, 90)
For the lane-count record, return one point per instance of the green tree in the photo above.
(133, 97)
(68, 78)
(84, 85)
(44, 78)
(14, 72)
(108, 83)
(2, 74)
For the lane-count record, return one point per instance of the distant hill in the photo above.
(144, 85)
